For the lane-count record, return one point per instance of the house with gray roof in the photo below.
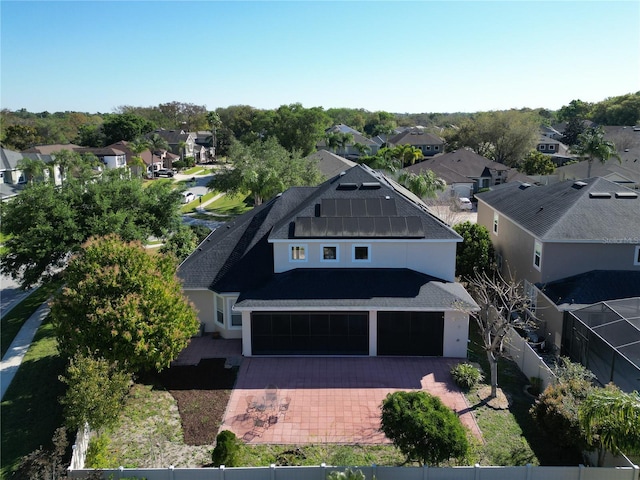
(329, 163)
(426, 142)
(350, 150)
(350, 267)
(565, 242)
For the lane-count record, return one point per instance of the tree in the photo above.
(577, 109)
(380, 123)
(423, 428)
(227, 450)
(500, 301)
(95, 392)
(46, 224)
(125, 126)
(157, 145)
(536, 163)
(137, 146)
(123, 305)
(592, 145)
(299, 128)
(344, 139)
(475, 252)
(21, 137)
(181, 243)
(90, 136)
(47, 464)
(572, 131)
(611, 419)
(264, 168)
(504, 137)
(31, 168)
(384, 159)
(407, 154)
(423, 184)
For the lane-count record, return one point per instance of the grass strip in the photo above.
(193, 171)
(12, 322)
(30, 408)
(231, 205)
(191, 206)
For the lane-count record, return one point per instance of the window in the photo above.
(236, 317)
(637, 256)
(541, 147)
(552, 147)
(329, 253)
(436, 148)
(499, 261)
(220, 310)
(298, 253)
(537, 254)
(495, 222)
(428, 147)
(361, 253)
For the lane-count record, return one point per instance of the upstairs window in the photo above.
(537, 254)
(220, 310)
(298, 253)
(361, 253)
(637, 256)
(329, 253)
(496, 219)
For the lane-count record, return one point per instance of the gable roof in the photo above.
(49, 149)
(329, 163)
(592, 287)
(459, 166)
(173, 137)
(341, 128)
(594, 210)
(238, 256)
(9, 159)
(415, 136)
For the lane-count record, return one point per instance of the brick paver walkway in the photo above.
(333, 400)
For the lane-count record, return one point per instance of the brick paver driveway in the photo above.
(333, 400)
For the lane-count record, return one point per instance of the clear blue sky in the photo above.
(418, 56)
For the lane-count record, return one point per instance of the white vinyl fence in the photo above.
(379, 473)
(527, 359)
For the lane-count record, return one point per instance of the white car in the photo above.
(465, 204)
(188, 197)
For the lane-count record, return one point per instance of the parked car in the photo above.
(188, 197)
(163, 173)
(465, 204)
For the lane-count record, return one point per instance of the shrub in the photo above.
(98, 453)
(423, 428)
(466, 375)
(348, 474)
(227, 450)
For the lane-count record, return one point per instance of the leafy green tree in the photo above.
(380, 123)
(95, 394)
(332, 140)
(32, 168)
(123, 305)
(504, 136)
(181, 243)
(125, 126)
(344, 139)
(407, 154)
(157, 145)
(575, 127)
(592, 145)
(298, 128)
(227, 450)
(620, 110)
(21, 137)
(611, 419)
(384, 159)
(137, 146)
(576, 110)
(45, 224)
(264, 168)
(475, 252)
(536, 163)
(423, 428)
(424, 184)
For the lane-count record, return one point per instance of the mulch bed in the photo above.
(202, 393)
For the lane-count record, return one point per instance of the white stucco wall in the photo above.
(432, 258)
(456, 334)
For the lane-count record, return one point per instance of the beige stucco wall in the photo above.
(456, 334)
(203, 301)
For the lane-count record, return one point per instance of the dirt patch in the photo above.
(500, 402)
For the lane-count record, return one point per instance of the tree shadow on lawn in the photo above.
(202, 393)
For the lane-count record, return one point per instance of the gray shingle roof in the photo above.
(415, 136)
(592, 287)
(357, 288)
(459, 166)
(566, 211)
(329, 163)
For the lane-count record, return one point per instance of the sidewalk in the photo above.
(21, 343)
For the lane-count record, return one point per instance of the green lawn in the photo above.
(191, 206)
(30, 408)
(231, 205)
(193, 171)
(12, 322)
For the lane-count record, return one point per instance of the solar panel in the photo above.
(367, 226)
(358, 207)
(328, 207)
(334, 227)
(374, 209)
(343, 207)
(382, 227)
(398, 226)
(350, 227)
(388, 207)
(303, 227)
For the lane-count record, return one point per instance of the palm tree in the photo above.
(408, 154)
(591, 144)
(611, 419)
(157, 144)
(424, 184)
(181, 148)
(332, 140)
(31, 168)
(65, 161)
(137, 146)
(385, 159)
(344, 139)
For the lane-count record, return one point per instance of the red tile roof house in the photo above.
(350, 267)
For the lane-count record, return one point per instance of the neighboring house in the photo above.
(349, 151)
(49, 149)
(329, 163)
(109, 156)
(351, 267)
(426, 142)
(180, 142)
(557, 151)
(551, 132)
(11, 178)
(625, 171)
(465, 171)
(548, 236)
(204, 138)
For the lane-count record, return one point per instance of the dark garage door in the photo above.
(293, 333)
(410, 333)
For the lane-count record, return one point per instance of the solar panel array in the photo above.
(358, 207)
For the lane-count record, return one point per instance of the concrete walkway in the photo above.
(18, 348)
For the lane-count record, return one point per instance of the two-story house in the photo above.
(353, 266)
(350, 150)
(571, 243)
(427, 143)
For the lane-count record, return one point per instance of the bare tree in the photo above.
(501, 302)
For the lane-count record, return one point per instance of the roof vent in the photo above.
(387, 197)
(370, 185)
(525, 185)
(626, 195)
(342, 174)
(579, 184)
(347, 186)
(599, 195)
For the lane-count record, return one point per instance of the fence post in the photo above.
(529, 470)
(221, 472)
(120, 470)
(272, 467)
(374, 470)
(476, 471)
(425, 472)
(635, 472)
(323, 467)
(171, 472)
(580, 471)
